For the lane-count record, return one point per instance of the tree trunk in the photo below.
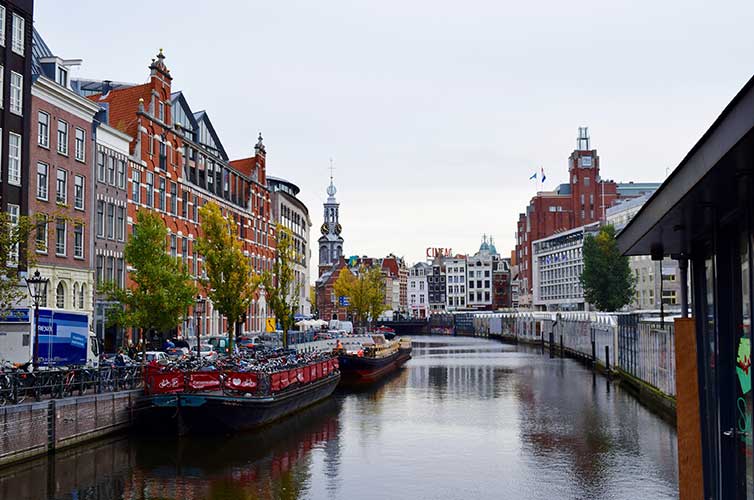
(285, 335)
(231, 336)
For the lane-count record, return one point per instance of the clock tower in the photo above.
(331, 242)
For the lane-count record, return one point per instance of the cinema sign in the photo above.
(439, 252)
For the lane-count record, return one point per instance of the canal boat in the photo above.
(222, 402)
(374, 361)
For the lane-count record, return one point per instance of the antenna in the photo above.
(331, 170)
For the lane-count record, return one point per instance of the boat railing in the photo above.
(236, 383)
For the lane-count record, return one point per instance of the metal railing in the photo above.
(18, 386)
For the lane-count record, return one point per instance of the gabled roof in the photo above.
(123, 104)
(245, 165)
(178, 99)
(39, 50)
(201, 116)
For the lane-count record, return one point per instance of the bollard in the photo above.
(552, 344)
(607, 358)
(594, 353)
(562, 351)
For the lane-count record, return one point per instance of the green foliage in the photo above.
(162, 289)
(15, 254)
(230, 282)
(281, 288)
(607, 279)
(365, 292)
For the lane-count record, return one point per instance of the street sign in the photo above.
(343, 301)
(270, 325)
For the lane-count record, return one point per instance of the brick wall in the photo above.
(36, 428)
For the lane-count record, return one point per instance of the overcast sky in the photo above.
(435, 113)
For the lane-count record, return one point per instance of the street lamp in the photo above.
(37, 290)
(200, 304)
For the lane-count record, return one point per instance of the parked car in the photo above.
(248, 342)
(155, 356)
(207, 352)
(177, 353)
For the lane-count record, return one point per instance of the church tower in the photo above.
(331, 242)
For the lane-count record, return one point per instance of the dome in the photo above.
(492, 249)
(331, 189)
(484, 247)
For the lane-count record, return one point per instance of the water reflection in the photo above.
(466, 418)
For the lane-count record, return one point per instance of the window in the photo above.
(173, 245)
(82, 295)
(41, 233)
(586, 181)
(111, 170)
(100, 265)
(60, 295)
(101, 166)
(78, 192)
(17, 44)
(194, 210)
(184, 249)
(173, 198)
(121, 174)
(14, 159)
(60, 237)
(62, 137)
(2, 26)
(80, 144)
(42, 181)
(110, 221)
(78, 241)
(61, 76)
(110, 269)
(43, 129)
(162, 193)
(184, 204)
(119, 272)
(150, 189)
(16, 93)
(121, 227)
(62, 186)
(100, 218)
(14, 211)
(136, 185)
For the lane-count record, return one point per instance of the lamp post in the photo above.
(200, 303)
(37, 289)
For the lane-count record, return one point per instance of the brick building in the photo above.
(178, 164)
(61, 182)
(581, 201)
(501, 285)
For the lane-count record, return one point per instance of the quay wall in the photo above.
(636, 349)
(31, 429)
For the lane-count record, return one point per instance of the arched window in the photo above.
(324, 255)
(82, 296)
(60, 295)
(75, 294)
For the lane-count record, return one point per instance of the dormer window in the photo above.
(61, 76)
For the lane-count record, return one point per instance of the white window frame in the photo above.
(14, 212)
(43, 190)
(78, 252)
(2, 25)
(43, 140)
(44, 231)
(17, 43)
(76, 198)
(14, 160)
(16, 93)
(62, 145)
(80, 153)
(2, 78)
(64, 198)
(65, 242)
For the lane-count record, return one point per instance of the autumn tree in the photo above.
(230, 281)
(15, 253)
(162, 289)
(281, 288)
(376, 291)
(607, 279)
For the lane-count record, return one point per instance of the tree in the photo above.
(365, 292)
(162, 289)
(607, 279)
(376, 290)
(15, 233)
(230, 282)
(313, 299)
(281, 288)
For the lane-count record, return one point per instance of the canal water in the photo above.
(466, 418)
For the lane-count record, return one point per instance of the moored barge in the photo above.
(224, 401)
(374, 361)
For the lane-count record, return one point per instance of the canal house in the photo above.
(702, 216)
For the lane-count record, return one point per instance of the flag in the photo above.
(543, 174)
(533, 176)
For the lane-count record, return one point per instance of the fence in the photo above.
(637, 345)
